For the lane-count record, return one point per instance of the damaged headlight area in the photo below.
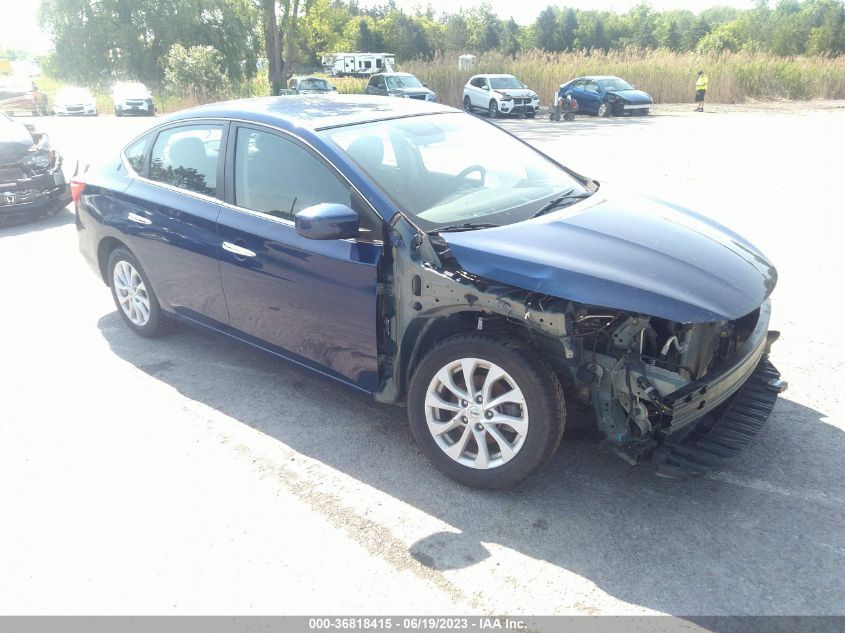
(31, 179)
(648, 379)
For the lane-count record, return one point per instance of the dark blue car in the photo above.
(606, 96)
(427, 257)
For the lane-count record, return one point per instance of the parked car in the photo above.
(20, 94)
(131, 97)
(32, 183)
(429, 258)
(74, 101)
(499, 95)
(307, 86)
(399, 85)
(606, 96)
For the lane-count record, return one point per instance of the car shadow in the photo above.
(60, 218)
(764, 537)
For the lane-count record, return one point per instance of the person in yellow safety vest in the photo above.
(700, 90)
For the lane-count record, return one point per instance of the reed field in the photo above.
(667, 76)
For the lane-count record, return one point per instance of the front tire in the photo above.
(495, 429)
(467, 105)
(493, 109)
(134, 297)
(605, 109)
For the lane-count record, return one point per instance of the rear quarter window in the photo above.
(187, 157)
(136, 154)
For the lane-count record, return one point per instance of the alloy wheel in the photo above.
(131, 293)
(476, 413)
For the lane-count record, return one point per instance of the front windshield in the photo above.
(313, 84)
(614, 83)
(408, 81)
(504, 83)
(446, 169)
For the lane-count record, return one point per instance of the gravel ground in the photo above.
(191, 475)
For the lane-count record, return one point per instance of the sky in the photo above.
(19, 25)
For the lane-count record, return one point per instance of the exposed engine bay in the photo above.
(31, 177)
(645, 377)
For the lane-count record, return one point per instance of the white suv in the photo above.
(499, 95)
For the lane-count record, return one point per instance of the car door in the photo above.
(311, 300)
(590, 96)
(381, 86)
(371, 86)
(480, 96)
(171, 211)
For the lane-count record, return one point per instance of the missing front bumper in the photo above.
(721, 436)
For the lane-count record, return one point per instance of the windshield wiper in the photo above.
(563, 200)
(464, 226)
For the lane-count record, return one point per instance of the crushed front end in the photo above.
(31, 179)
(687, 397)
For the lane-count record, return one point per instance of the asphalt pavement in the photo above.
(191, 475)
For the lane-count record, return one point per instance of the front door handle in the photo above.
(238, 251)
(138, 219)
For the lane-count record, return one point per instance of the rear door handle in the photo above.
(238, 251)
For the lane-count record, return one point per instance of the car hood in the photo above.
(636, 254)
(313, 91)
(522, 93)
(632, 96)
(420, 90)
(15, 141)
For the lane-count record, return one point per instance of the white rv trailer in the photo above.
(358, 64)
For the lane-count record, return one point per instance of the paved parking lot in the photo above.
(191, 475)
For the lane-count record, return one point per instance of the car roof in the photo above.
(495, 75)
(397, 74)
(312, 112)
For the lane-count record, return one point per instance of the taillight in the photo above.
(76, 189)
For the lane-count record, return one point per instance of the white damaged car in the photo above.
(499, 95)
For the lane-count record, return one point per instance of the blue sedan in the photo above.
(428, 258)
(606, 96)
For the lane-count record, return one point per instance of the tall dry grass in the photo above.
(668, 76)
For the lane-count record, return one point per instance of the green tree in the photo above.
(198, 70)
(99, 41)
(546, 35)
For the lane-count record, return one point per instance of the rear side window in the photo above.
(187, 157)
(137, 152)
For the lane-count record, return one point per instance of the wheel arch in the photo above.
(425, 332)
(104, 250)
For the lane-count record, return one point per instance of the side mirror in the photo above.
(485, 87)
(327, 222)
(334, 88)
(525, 86)
(425, 85)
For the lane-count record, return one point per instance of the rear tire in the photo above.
(134, 297)
(513, 446)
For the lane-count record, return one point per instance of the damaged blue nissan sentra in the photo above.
(429, 258)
